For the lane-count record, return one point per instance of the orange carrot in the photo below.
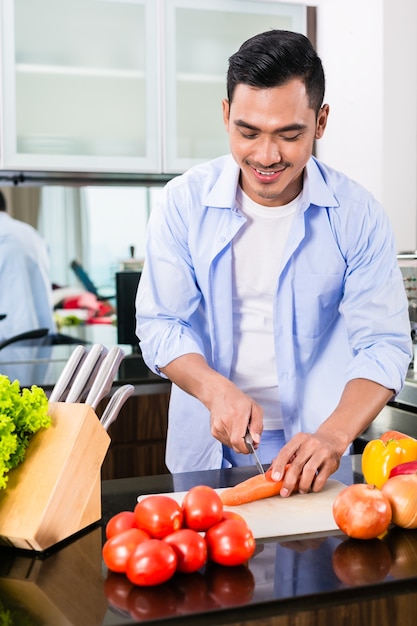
(254, 488)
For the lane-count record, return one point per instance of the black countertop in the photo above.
(315, 580)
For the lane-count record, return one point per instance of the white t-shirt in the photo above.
(257, 255)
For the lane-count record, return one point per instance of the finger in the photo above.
(256, 423)
(323, 473)
(285, 456)
(237, 438)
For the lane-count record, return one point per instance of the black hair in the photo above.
(272, 58)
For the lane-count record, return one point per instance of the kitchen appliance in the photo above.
(126, 288)
(408, 266)
(407, 262)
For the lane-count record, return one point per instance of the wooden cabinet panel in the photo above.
(138, 438)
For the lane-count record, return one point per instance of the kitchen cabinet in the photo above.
(199, 39)
(138, 438)
(80, 89)
(121, 86)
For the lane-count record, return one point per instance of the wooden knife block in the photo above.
(56, 491)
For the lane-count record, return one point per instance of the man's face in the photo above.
(271, 135)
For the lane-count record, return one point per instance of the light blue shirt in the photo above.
(340, 309)
(25, 285)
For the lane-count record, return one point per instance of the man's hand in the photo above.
(231, 411)
(312, 459)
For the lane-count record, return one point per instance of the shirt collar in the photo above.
(223, 192)
(315, 189)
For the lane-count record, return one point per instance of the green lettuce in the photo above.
(22, 414)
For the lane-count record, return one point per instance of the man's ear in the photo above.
(322, 121)
(226, 112)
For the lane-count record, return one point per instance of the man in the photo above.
(271, 294)
(25, 285)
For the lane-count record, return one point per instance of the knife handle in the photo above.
(84, 373)
(105, 376)
(67, 374)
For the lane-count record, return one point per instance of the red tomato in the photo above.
(118, 548)
(120, 522)
(151, 563)
(230, 542)
(233, 515)
(190, 548)
(117, 589)
(148, 603)
(202, 508)
(357, 562)
(158, 515)
(362, 511)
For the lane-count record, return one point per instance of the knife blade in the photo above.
(251, 448)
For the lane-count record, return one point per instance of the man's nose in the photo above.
(268, 151)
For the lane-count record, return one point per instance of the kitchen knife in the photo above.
(93, 375)
(84, 373)
(116, 402)
(105, 376)
(64, 379)
(251, 448)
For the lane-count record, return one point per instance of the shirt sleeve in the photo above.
(168, 298)
(374, 304)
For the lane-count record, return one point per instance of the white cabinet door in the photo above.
(80, 85)
(199, 39)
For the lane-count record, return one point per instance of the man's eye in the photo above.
(291, 137)
(248, 135)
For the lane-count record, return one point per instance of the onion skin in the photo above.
(362, 511)
(404, 468)
(401, 492)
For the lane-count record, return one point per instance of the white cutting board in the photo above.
(299, 514)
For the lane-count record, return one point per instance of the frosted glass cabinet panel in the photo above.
(81, 88)
(121, 86)
(199, 39)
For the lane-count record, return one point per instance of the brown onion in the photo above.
(401, 491)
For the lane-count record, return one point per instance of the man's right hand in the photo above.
(231, 410)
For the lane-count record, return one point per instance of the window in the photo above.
(99, 226)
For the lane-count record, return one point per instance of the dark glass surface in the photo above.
(308, 573)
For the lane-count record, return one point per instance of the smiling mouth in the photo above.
(268, 174)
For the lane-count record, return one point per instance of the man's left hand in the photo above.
(312, 458)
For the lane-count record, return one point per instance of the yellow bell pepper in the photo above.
(380, 457)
